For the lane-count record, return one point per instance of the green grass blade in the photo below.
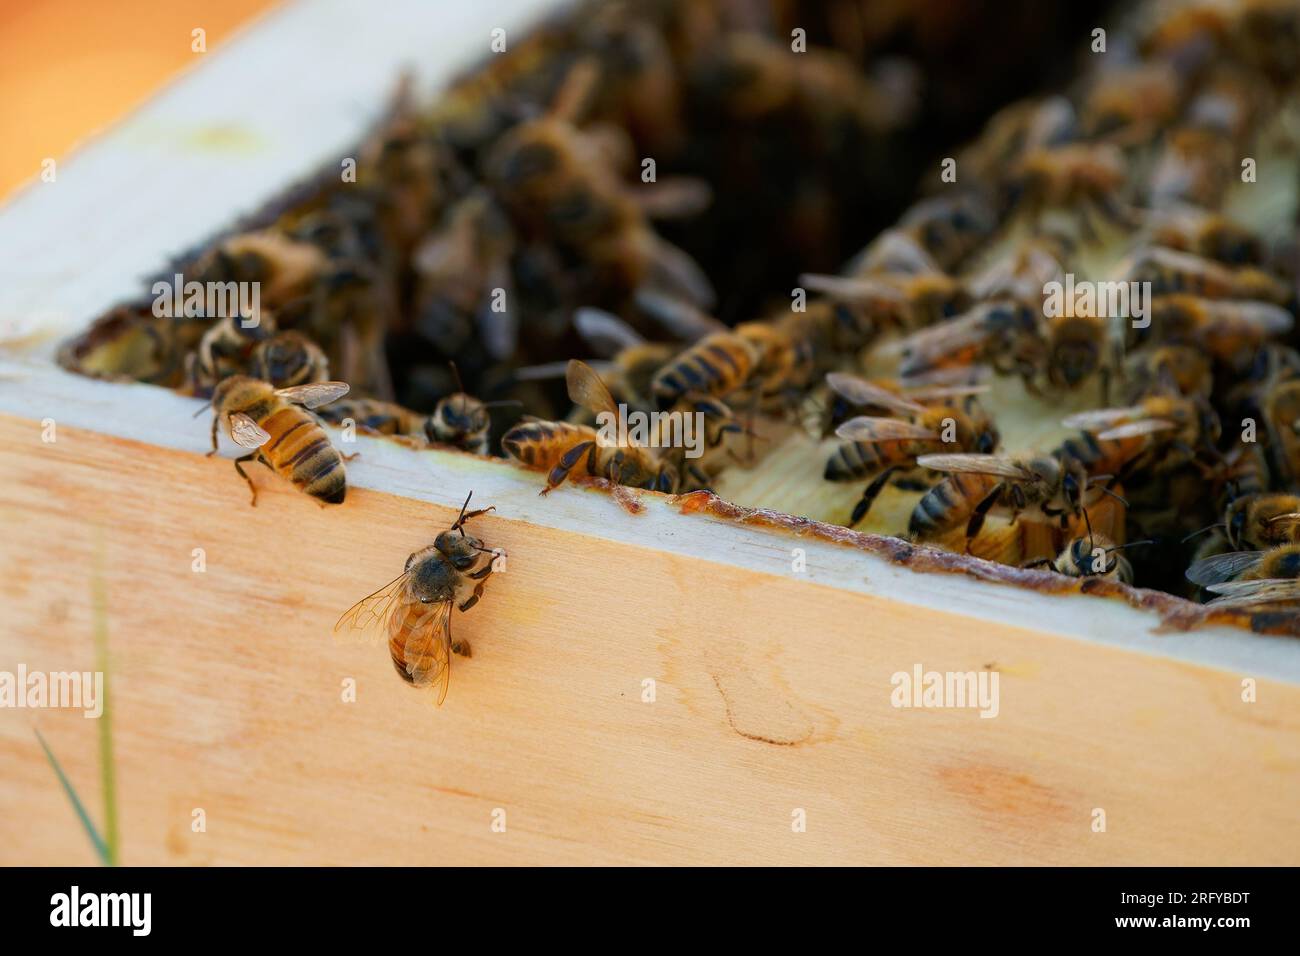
(107, 772)
(100, 846)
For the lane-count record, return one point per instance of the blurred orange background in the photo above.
(69, 68)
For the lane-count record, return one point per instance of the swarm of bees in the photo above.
(1099, 255)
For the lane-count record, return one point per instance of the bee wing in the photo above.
(865, 428)
(924, 349)
(940, 392)
(1099, 419)
(673, 197)
(1268, 318)
(533, 373)
(315, 394)
(1210, 572)
(1262, 591)
(861, 392)
(606, 333)
(956, 375)
(247, 432)
(998, 465)
(586, 388)
(374, 608)
(682, 319)
(428, 652)
(1147, 426)
(673, 269)
(852, 289)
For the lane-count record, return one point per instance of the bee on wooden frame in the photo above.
(415, 608)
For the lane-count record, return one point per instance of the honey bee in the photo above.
(558, 184)
(285, 268)
(950, 227)
(1005, 334)
(1168, 430)
(627, 366)
(1262, 521)
(877, 448)
(1250, 578)
(457, 267)
(1231, 332)
(226, 349)
(282, 434)
(1087, 177)
(1091, 556)
(562, 448)
(1169, 370)
(288, 359)
(375, 417)
(1016, 129)
(459, 420)
(415, 608)
(975, 484)
(1174, 273)
(903, 300)
(1131, 104)
(1210, 235)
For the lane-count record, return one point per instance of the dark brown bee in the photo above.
(1091, 556)
(226, 349)
(877, 448)
(282, 433)
(976, 484)
(1250, 578)
(288, 359)
(561, 448)
(415, 608)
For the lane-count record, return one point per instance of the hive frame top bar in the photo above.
(230, 135)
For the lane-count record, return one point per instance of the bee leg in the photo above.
(567, 463)
(977, 516)
(214, 435)
(239, 467)
(355, 454)
(869, 496)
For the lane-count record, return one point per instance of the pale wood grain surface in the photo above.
(773, 694)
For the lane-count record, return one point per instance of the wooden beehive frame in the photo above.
(771, 651)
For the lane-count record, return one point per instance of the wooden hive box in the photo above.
(691, 683)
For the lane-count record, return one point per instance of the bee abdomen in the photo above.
(946, 505)
(855, 459)
(300, 451)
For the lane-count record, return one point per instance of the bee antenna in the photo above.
(460, 520)
(1120, 498)
(206, 406)
(455, 373)
(1131, 544)
(1208, 527)
(1088, 523)
(502, 403)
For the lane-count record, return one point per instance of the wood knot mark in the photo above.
(756, 712)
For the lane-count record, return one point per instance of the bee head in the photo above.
(458, 548)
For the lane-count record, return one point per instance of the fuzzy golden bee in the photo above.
(276, 424)
(414, 610)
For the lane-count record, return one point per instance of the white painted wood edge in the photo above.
(157, 416)
(279, 101)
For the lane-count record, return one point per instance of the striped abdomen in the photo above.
(300, 451)
(860, 459)
(541, 445)
(717, 365)
(949, 503)
(409, 620)
(1100, 456)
